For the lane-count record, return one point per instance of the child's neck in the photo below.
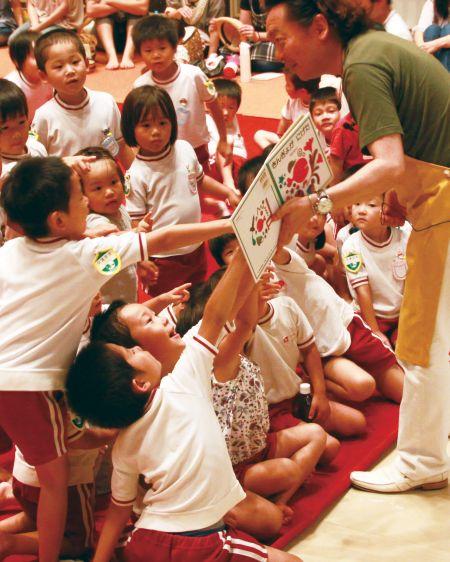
(378, 233)
(167, 73)
(73, 99)
(148, 154)
(18, 153)
(304, 240)
(28, 80)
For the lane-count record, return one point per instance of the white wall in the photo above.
(409, 10)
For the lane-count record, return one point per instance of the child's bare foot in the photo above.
(287, 512)
(126, 63)
(112, 64)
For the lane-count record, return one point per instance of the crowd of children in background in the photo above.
(115, 199)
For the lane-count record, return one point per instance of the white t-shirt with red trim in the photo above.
(382, 265)
(47, 289)
(36, 94)
(33, 148)
(166, 186)
(65, 129)
(276, 347)
(293, 109)
(189, 89)
(328, 314)
(179, 449)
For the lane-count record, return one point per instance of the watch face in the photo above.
(324, 205)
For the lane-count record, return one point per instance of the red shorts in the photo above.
(176, 270)
(281, 416)
(219, 546)
(202, 153)
(80, 511)
(268, 452)
(367, 350)
(389, 327)
(34, 421)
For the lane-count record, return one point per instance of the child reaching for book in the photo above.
(164, 179)
(374, 259)
(297, 105)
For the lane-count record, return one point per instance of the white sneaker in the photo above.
(390, 480)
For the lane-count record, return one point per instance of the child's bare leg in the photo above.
(18, 544)
(52, 508)
(256, 516)
(264, 138)
(17, 523)
(347, 381)
(276, 555)
(390, 383)
(105, 34)
(345, 421)
(332, 448)
(128, 52)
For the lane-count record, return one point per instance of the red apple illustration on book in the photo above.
(261, 223)
(303, 172)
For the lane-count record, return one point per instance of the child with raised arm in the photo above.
(170, 434)
(76, 117)
(27, 75)
(374, 259)
(49, 277)
(164, 180)
(156, 38)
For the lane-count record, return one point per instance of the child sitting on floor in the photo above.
(26, 75)
(297, 105)
(164, 180)
(184, 509)
(325, 107)
(375, 264)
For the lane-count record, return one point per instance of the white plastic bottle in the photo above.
(244, 56)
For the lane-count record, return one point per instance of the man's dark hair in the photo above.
(99, 388)
(34, 189)
(217, 246)
(327, 94)
(21, 46)
(108, 328)
(155, 26)
(347, 17)
(229, 88)
(248, 171)
(13, 102)
(101, 153)
(55, 37)
(143, 101)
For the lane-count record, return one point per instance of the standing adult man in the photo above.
(398, 97)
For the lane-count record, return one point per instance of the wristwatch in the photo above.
(323, 204)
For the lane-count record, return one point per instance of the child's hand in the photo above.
(101, 230)
(320, 408)
(234, 196)
(178, 295)
(145, 224)
(212, 26)
(247, 32)
(80, 164)
(185, 13)
(226, 151)
(148, 272)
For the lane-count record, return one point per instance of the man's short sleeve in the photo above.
(369, 93)
(104, 257)
(353, 263)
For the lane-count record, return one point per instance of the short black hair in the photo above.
(21, 46)
(248, 171)
(155, 26)
(108, 328)
(101, 153)
(54, 37)
(141, 102)
(13, 102)
(34, 189)
(309, 85)
(99, 388)
(217, 246)
(327, 94)
(229, 88)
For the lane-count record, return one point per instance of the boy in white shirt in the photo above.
(49, 277)
(170, 434)
(374, 259)
(76, 117)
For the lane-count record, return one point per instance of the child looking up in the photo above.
(49, 277)
(325, 107)
(184, 508)
(76, 117)
(27, 75)
(156, 39)
(375, 264)
(297, 105)
(229, 95)
(164, 180)
(15, 141)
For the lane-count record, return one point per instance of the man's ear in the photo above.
(140, 387)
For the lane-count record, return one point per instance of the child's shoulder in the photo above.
(353, 241)
(145, 79)
(99, 97)
(35, 148)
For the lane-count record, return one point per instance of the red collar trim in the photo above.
(268, 316)
(378, 244)
(168, 80)
(64, 105)
(157, 157)
(48, 240)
